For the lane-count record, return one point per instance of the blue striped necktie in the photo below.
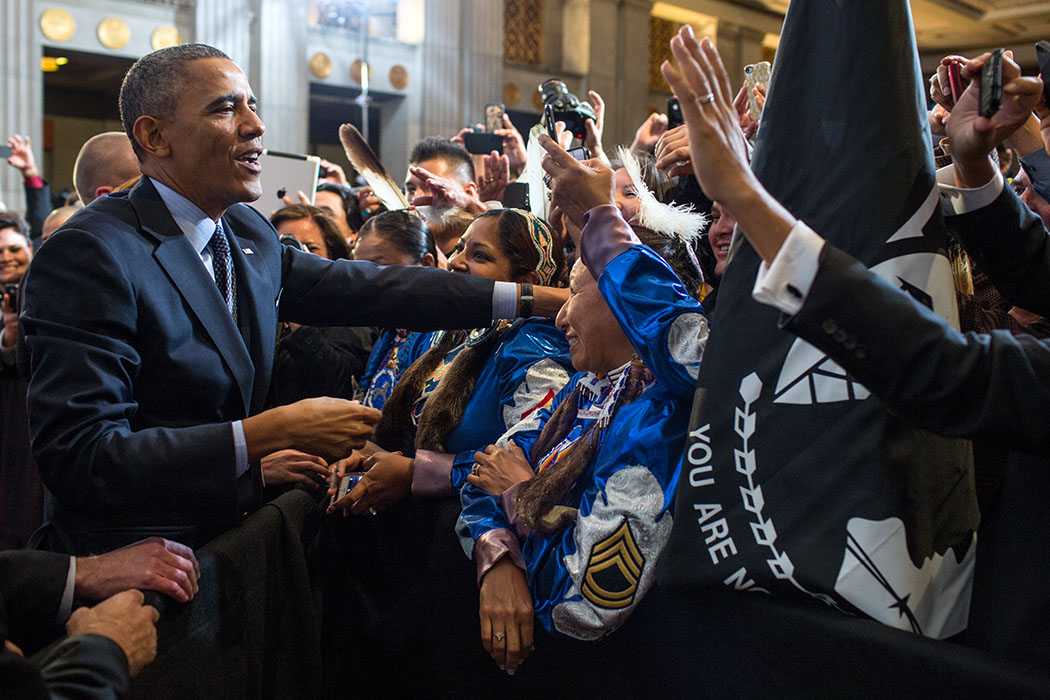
(222, 263)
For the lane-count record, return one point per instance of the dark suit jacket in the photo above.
(138, 368)
(993, 387)
(85, 666)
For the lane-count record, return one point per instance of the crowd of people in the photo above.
(172, 360)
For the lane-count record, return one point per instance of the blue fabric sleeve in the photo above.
(666, 326)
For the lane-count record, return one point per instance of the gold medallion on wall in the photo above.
(57, 25)
(113, 33)
(321, 65)
(163, 37)
(511, 94)
(355, 71)
(399, 77)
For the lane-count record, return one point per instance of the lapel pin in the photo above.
(248, 251)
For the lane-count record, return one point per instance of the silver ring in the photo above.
(704, 99)
(475, 469)
(372, 511)
(499, 636)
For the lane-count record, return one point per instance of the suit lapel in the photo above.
(257, 314)
(183, 266)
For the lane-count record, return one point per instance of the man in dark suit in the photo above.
(993, 387)
(151, 318)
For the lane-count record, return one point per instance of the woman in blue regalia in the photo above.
(566, 518)
(469, 388)
(393, 238)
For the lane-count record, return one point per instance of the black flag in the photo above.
(795, 481)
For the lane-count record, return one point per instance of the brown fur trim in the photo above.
(538, 499)
(446, 405)
(396, 429)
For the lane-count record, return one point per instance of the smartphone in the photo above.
(580, 153)
(955, 83)
(992, 84)
(1042, 52)
(674, 113)
(548, 122)
(5, 152)
(756, 74)
(346, 485)
(483, 143)
(516, 196)
(493, 116)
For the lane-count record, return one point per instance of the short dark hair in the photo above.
(404, 229)
(152, 85)
(453, 154)
(333, 240)
(9, 219)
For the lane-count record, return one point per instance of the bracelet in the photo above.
(525, 300)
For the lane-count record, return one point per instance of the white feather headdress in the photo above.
(673, 220)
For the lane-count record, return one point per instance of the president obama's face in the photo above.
(214, 137)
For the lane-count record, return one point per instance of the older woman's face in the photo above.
(596, 342)
(14, 256)
(479, 253)
(307, 233)
(625, 195)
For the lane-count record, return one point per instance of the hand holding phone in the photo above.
(955, 83)
(1042, 52)
(992, 84)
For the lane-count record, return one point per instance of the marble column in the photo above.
(23, 85)
(283, 83)
(739, 46)
(442, 109)
(228, 26)
(483, 53)
(633, 106)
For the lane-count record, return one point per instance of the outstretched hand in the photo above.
(972, 136)
(22, 155)
(444, 193)
(649, 132)
(577, 186)
(716, 143)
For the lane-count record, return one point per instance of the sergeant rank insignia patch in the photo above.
(613, 570)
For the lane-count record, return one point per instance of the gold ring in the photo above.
(499, 636)
(704, 99)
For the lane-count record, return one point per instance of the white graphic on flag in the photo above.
(933, 600)
(808, 376)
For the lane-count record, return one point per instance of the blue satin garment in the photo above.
(394, 352)
(526, 369)
(586, 579)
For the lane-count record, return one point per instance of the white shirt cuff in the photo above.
(504, 300)
(785, 282)
(960, 200)
(240, 448)
(65, 607)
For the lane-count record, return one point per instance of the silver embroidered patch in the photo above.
(617, 546)
(686, 341)
(543, 380)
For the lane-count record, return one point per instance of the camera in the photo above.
(11, 292)
(292, 242)
(566, 106)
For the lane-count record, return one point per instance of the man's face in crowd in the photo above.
(214, 137)
(720, 235)
(333, 205)
(1023, 187)
(414, 187)
(14, 256)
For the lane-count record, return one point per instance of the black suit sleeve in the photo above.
(1010, 243)
(319, 292)
(38, 206)
(994, 387)
(31, 586)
